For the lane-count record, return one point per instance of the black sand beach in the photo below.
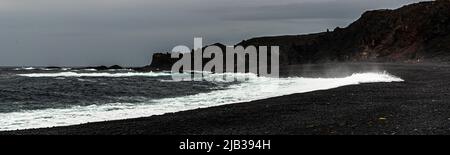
(420, 105)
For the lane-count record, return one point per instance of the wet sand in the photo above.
(420, 105)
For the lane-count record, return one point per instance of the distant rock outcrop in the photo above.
(101, 68)
(414, 33)
(116, 67)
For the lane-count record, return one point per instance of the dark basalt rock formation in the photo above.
(160, 62)
(163, 61)
(102, 68)
(116, 67)
(414, 33)
(99, 68)
(52, 67)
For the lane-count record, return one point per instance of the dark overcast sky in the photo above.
(127, 32)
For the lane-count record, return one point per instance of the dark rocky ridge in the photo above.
(414, 33)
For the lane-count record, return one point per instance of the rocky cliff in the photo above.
(414, 33)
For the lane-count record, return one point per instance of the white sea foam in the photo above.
(92, 70)
(75, 74)
(115, 70)
(25, 68)
(46, 69)
(52, 69)
(254, 89)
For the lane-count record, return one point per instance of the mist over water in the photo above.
(34, 98)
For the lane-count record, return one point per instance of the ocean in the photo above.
(40, 97)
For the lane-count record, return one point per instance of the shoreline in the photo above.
(375, 108)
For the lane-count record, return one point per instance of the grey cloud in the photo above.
(127, 32)
(344, 9)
